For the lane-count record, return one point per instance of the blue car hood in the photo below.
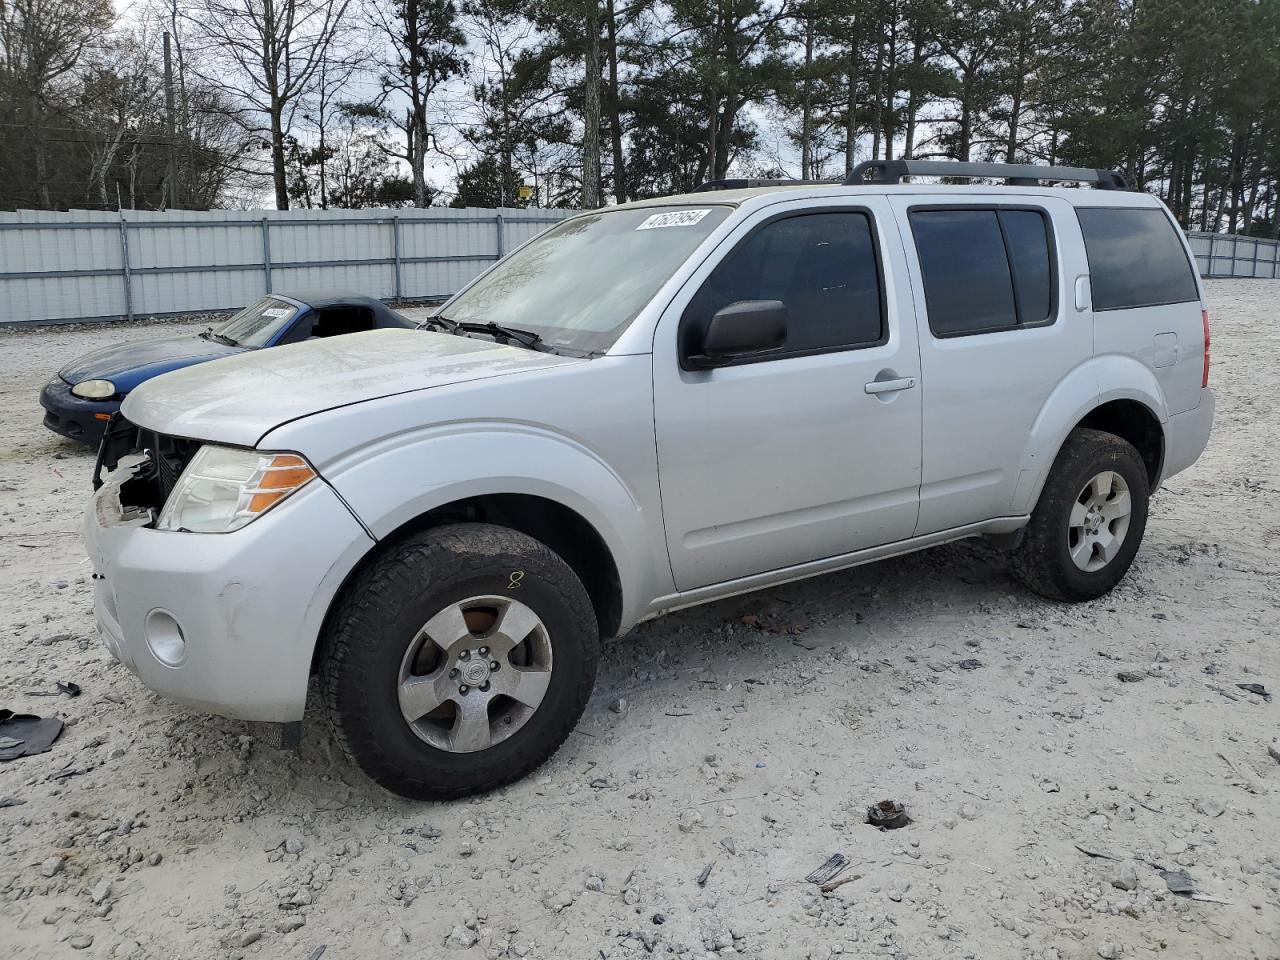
(128, 364)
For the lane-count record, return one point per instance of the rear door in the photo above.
(1146, 296)
(812, 452)
(998, 331)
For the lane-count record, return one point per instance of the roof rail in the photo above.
(742, 183)
(1017, 174)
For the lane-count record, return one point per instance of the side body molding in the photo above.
(1077, 394)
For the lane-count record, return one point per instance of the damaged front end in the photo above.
(155, 460)
(223, 624)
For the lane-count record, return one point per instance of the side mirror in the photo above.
(741, 330)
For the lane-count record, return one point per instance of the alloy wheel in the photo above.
(475, 673)
(1099, 521)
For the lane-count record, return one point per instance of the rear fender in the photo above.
(1080, 392)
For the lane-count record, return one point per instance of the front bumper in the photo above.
(248, 605)
(72, 417)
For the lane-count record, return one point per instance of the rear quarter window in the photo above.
(1027, 239)
(1136, 258)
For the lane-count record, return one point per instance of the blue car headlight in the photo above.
(94, 389)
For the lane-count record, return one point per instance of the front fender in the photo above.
(1075, 397)
(393, 482)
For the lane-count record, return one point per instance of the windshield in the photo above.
(255, 325)
(579, 284)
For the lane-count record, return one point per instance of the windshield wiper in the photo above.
(463, 328)
(442, 322)
(526, 338)
(209, 334)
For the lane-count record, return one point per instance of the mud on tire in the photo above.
(1079, 543)
(384, 659)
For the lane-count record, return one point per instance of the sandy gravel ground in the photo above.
(751, 747)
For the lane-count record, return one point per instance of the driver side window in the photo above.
(335, 321)
(330, 322)
(823, 266)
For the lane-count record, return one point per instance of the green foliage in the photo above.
(482, 184)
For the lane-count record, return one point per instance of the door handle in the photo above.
(890, 386)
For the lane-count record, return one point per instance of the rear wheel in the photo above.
(459, 660)
(1089, 522)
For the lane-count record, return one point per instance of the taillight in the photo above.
(1204, 319)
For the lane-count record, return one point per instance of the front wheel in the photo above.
(459, 660)
(1089, 522)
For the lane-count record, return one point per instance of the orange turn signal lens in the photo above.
(282, 476)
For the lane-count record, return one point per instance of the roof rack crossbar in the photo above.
(742, 183)
(1018, 174)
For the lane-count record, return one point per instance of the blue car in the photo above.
(80, 400)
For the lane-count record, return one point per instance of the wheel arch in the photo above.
(545, 483)
(1133, 421)
(564, 530)
(1131, 407)
(1130, 420)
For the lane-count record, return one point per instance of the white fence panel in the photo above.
(94, 265)
(1225, 255)
(85, 265)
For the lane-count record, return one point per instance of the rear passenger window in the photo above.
(983, 270)
(823, 266)
(1136, 258)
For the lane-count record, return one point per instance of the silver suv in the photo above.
(647, 407)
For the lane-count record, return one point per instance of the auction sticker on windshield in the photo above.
(676, 218)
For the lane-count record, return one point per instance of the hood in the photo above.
(240, 399)
(126, 364)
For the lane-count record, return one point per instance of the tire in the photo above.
(1079, 545)
(384, 659)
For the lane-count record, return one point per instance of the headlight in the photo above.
(223, 488)
(94, 389)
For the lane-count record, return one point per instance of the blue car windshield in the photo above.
(257, 324)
